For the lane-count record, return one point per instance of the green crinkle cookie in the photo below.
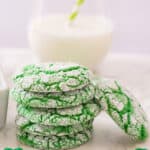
(53, 77)
(62, 117)
(123, 108)
(54, 142)
(27, 126)
(54, 100)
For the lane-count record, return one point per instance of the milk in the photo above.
(85, 41)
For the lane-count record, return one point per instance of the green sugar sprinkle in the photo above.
(141, 149)
(18, 148)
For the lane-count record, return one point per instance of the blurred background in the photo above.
(130, 17)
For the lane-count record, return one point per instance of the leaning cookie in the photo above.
(57, 77)
(54, 142)
(54, 100)
(62, 117)
(37, 129)
(123, 108)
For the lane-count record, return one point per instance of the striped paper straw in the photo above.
(76, 9)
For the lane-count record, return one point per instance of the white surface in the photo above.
(3, 99)
(52, 39)
(131, 18)
(132, 70)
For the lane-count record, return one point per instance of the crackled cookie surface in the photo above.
(54, 142)
(62, 117)
(124, 109)
(53, 77)
(27, 126)
(54, 100)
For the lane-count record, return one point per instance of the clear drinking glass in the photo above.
(53, 37)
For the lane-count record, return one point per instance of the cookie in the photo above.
(36, 129)
(53, 77)
(54, 142)
(62, 117)
(123, 108)
(54, 100)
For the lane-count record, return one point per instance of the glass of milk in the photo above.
(52, 37)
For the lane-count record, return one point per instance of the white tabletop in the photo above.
(132, 70)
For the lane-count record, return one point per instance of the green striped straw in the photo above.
(76, 9)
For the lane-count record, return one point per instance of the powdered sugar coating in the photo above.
(54, 100)
(53, 77)
(123, 107)
(54, 142)
(27, 126)
(62, 117)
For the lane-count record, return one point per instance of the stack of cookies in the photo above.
(56, 105)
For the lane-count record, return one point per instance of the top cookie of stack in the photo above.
(55, 77)
(55, 85)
